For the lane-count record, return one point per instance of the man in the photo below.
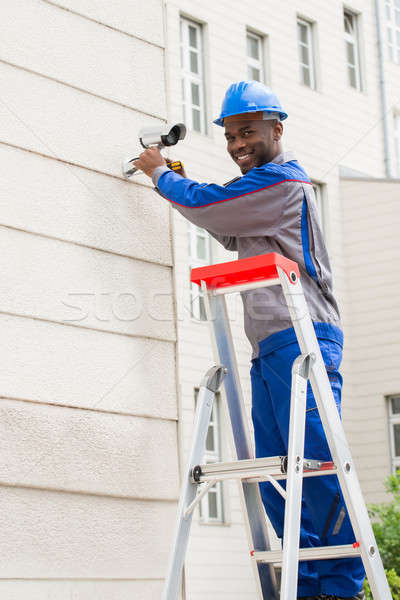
(271, 208)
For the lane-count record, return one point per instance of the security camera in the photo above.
(160, 136)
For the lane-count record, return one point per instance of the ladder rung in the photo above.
(324, 553)
(237, 469)
(255, 468)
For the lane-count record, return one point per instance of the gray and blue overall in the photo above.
(272, 209)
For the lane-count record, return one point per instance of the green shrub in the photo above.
(386, 528)
(387, 525)
(394, 584)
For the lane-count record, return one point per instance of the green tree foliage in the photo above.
(394, 584)
(387, 525)
(386, 528)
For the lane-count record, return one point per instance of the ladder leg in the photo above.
(336, 439)
(294, 485)
(255, 521)
(209, 386)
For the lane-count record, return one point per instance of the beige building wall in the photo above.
(372, 251)
(88, 391)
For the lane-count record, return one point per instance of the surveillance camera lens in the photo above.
(173, 137)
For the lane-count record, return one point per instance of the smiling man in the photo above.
(271, 208)
(253, 140)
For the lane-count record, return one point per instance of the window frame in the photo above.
(197, 309)
(301, 21)
(189, 77)
(253, 63)
(393, 31)
(353, 39)
(394, 419)
(213, 457)
(396, 141)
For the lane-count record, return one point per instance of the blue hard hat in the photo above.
(247, 97)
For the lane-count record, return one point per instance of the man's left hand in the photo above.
(149, 160)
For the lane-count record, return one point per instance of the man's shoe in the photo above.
(359, 596)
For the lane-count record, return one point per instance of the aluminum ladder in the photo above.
(216, 281)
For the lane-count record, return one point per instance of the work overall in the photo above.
(324, 518)
(272, 209)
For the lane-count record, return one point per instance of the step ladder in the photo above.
(216, 281)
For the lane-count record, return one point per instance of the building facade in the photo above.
(104, 343)
(322, 60)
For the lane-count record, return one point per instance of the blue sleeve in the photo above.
(252, 205)
(192, 194)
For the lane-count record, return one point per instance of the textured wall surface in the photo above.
(88, 390)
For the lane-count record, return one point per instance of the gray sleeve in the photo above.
(228, 241)
(250, 208)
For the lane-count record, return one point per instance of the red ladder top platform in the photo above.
(245, 270)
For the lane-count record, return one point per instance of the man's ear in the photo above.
(277, 130)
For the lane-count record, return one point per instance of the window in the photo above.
(352, 49)
(396, 132)
(306, 53)
(255, 57)
(200, 255)
(192, 75)
(211, 506)
(393, 29)
(319, 197)
(394, 424)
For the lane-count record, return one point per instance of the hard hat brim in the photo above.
(220, 120)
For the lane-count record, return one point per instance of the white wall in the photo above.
(88, 390)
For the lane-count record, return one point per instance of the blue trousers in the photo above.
(324, 519)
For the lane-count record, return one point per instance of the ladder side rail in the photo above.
(249, 492)
(336, 438)
(189, 489)
(221, 335)
(294, 486)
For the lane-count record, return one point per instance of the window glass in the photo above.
(196, 119)
(194, 63)
(252, 47)
(393, 29)
(303, 33)
(394, 428)
(211, 506)
(352, 50)
(254, 74)
(396, 405)
(192, 37)
(396, 136)
(306, 76)
(397, 440)
(199, 256)
(210, 440)
(195, 94)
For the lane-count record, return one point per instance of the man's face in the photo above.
(252, 143)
